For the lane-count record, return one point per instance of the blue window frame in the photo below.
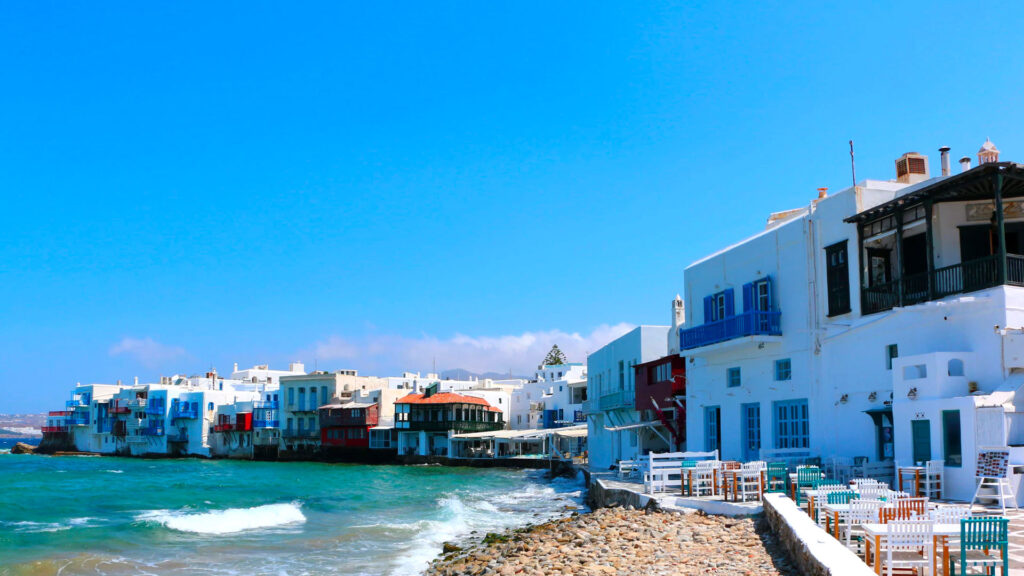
(719, 306)
(792, 424)
(783, 369)
(712, 428)
(732, 377)
(751, 431)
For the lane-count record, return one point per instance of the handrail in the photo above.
(748, 323)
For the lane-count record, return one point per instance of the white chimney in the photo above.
(136, 380)
(236, 367)
(944, 155)
(965, 163)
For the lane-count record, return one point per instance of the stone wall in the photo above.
(811, 549)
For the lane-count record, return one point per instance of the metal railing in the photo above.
(79, 419)
(749, 323)
(295, 433)
(184, 410)
(153, 430)
(614, 400)
(156, 408)
(55, 429)
(266, 423)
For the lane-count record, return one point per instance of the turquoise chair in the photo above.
(805, 478)
(685, 476)
(842, 497)
(776, 475)
(978, 538)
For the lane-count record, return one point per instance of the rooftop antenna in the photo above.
(853, 165)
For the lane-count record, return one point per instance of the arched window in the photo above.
(209, 406)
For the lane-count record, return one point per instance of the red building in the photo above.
(347, 425)
(661, 394)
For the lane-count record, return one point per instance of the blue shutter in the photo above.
(707, 309)
(730, 303)
(748, 296)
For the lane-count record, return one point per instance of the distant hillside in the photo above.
(461, 374)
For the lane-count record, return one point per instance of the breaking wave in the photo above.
(228, 521)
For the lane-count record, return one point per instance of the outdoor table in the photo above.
(731, 482)
(688, 475)
(907, 471)
(875, 532)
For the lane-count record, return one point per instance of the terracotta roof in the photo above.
(444, 398)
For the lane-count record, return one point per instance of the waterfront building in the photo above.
(426, 421)
(302, 396)
(553, 399)
(880, 322)
(615, 429)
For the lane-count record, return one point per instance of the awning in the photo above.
(382, 428)
(877, 413)
(574, 432)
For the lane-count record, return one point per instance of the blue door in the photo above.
(751, 433)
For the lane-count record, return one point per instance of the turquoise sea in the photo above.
(104, 515)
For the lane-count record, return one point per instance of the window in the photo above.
(783, 369)
(733, 377)
(622, 375)
(951, 449)
(921, 440)
(837, 275)
(891, 351)
(955, 367)
(791, 424)
(291, 396)
(757, 295)
(663, 372)
(712, 428)
(719, 306)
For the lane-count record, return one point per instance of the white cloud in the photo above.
(147, 351)
(520, 353)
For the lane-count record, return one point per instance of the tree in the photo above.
(554, 357)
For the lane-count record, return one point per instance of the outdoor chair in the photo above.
(805, 478)
(702, 478)
(911, 507)
(684, 475)
(932, 480)
(861, 512)
(979, 537)
(776, 477)
(949, 514)
(910, 544)
(749, 480)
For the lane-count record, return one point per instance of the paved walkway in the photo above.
(1016, 540)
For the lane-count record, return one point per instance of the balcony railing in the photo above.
(119, 407)
(970, 276)
(749, 323)
(55, 429)
(294, 433)
(153, 430)
(79, 419)
(619, 399)
(224, 427)
(271, 405)
(105, 426)
(58, 413)
(266, 423)
(458, 426)
(156, 408)
(184, 410)
(76, 403)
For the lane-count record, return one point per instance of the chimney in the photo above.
(988, 153)
(944, 155)
(822, 192)
(965, 163)
(912, 168)
(236, 367)
(136, 380)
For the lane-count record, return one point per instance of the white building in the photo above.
(612, 418)
(860, 324)
(301, 396)
(553, 399)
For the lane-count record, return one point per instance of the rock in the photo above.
(448, 548)
(22, 448)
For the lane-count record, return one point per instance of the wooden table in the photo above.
(731, 482)
(873, 534)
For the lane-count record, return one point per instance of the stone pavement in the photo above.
(1016, 540)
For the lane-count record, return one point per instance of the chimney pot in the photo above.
(944, 156)
(965, 163)
(822, 192)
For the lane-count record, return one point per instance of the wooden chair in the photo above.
(978, 537)
(749, 480)
(805, 478)
(702, 478)
(776, 477)
(861, 512)
(910, 544)
(912, 507)
(949, 514)
(934, 477)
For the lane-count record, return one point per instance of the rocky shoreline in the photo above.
(625, 542)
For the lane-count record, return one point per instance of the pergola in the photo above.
(995, 181)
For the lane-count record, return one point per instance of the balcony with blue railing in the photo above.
(256, 423)
(156, 407)
(153, 430)
(269, 405)
(749, 323)
(184, 410)
(77, 401)
(78, 418)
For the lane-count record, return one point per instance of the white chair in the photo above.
(628, 468)
(910, 544)
(873, 491)
(749, 479)
(704, 477)
(820, 496)
(934, 478)
(949, 514)
(861, 512)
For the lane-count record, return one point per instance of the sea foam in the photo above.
(228, 521)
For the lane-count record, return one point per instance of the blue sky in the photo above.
(376, 185)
